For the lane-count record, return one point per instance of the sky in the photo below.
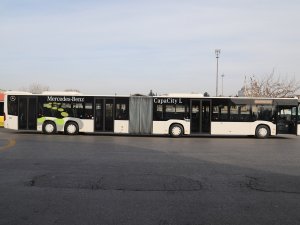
(134, 46)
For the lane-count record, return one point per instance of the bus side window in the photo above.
(122, 109)
(88, 110)
(158, 112)
(121, 112)
(262, 112)
(67, 110)
(12, 108)
(78, 110)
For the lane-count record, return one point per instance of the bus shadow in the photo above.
(193, 136)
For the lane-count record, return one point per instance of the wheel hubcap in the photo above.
(49, 128)
(71, 129)
(176, 131)
(263, 132)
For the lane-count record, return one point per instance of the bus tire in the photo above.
(49, 127)
(176, 130)
(71, 128)
(262, 131)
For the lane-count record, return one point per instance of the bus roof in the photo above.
(61, 93)
(171, 95)
(183, 95)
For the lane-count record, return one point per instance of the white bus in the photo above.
(174, 115)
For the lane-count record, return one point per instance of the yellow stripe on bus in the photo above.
(1, 121)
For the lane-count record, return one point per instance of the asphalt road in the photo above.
(118, 180)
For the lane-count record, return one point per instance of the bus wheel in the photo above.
(176, 130)
(71, 128)
(49, 127)
(262, 131)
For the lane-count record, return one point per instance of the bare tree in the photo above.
(206, 94)
(271, 86)
(35, 88)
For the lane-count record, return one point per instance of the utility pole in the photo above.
(217, 52)
(222, 82)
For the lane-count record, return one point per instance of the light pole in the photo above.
(222, 82)
(217, 52)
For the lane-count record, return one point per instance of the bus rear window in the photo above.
(12, 105)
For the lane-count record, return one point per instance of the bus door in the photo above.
(286, 122)
(27, 117)
(104, 114)
(200, 116)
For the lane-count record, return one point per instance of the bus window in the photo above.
(220, 109)
(263, 112)
(174, 112)
(121, 111)
(180, 108)
(164, 112)
(66, 110)
(12, 107)
(240, 113)
(78, 110)
(158, 113)
(220, 113)
(88, 107)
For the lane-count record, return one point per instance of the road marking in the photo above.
(10, 143)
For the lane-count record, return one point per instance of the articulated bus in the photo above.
(174, 115)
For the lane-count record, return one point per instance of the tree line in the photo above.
(272, 85)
